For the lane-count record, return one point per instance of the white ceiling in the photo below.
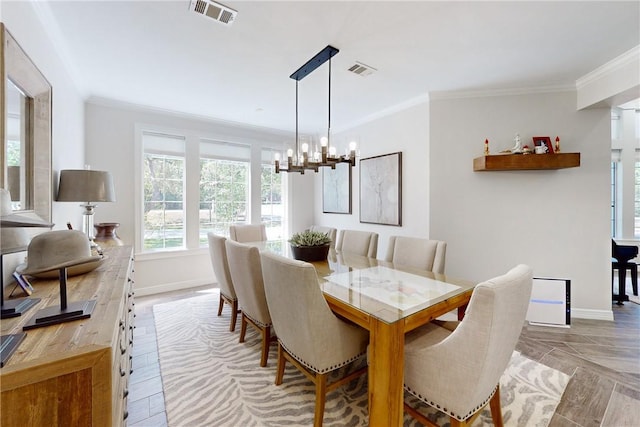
(159, 54)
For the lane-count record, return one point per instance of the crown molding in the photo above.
(627, 58)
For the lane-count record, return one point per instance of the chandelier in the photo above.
(327, 157)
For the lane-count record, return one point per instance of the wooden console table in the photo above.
(74, 373)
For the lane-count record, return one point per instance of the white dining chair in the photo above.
(424, 254)
(310, 336)
(458, 372)
(218, 255)
(246, 273)
(357, 242)
(243, 233)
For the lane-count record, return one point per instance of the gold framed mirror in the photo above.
(25, 130)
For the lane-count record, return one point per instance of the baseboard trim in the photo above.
(583, 313)
(169, 287)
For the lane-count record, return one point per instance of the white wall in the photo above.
(556, 221)
(406, 131)
(110, 135)
(22, 21)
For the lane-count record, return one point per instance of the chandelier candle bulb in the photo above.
(332, 151)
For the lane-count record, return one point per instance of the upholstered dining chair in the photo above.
(310, 336)
(438, 368)
(419, 253)
(218, 254)
(248, 232)
(246, 273)
(331, 232)
(363, 243)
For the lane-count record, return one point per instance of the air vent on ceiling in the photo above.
(216, 11)
(361, 69)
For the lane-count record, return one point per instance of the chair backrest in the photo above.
(246, 273)
(482, 345)
(218, 254)
(248, 233)
(331, 232)
(305, 325)
(415, 252)
(363, 243)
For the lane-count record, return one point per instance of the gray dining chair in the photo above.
(246, 273)
(363, 243)
(424, 254)
(310, 336)
(459, 372)
(248, 233)
(331, 232)
(218, 254)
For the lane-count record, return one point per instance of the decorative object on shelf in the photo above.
(310, 246)
(336, 189)
(526, 150)
(87, 186)
(327, 157)
(381, 189)
(517, 148)
(106, 234)
(542, 141)
(557, 144)
(486, 147)
(58, 250)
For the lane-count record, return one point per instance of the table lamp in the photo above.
(87, 186)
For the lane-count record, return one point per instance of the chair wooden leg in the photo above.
(220, 305)
(456, 423)
(266, 334)
(418, 416)
(496, 410)
(281, 362)
(321, 395)
(234, 315)
(243, 327)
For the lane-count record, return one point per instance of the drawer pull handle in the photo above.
(125, 393)
(122, 373)
(126, 415)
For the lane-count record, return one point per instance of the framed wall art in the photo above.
(381, 189)
(336, 189)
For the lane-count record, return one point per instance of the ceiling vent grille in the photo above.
(361, 69)
(216, 11)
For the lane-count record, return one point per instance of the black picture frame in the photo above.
(336, 189)
(381, 189)
(23, 283)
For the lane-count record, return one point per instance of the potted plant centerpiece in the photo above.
(310, 246)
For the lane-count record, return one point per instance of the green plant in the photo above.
(310, 238)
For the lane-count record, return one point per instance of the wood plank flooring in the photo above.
(602, 357)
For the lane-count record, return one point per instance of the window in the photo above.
(272, 205)
(164, 179)
(224, 187)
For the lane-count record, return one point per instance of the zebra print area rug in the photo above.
(210, 379)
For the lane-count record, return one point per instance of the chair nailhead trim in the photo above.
(457, 417)
(317, 370)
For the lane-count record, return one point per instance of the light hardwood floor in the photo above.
(602, 357)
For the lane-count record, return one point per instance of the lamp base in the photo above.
(55, 315)
(15, 308)
(8, 345)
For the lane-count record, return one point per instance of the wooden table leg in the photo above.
(386, 373)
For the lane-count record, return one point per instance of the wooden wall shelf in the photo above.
(511, 162)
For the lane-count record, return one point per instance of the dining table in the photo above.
(389, 300)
